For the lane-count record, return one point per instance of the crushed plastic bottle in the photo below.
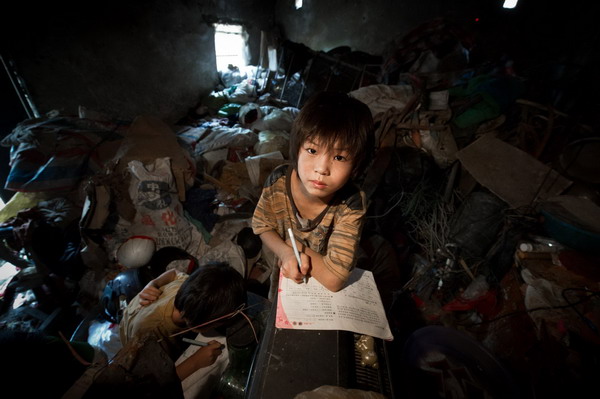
(540, 244)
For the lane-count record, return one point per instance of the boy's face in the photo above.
(323, 171)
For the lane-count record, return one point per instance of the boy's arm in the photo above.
(332, 269)
(203, 357)
(151, 291)
(319, 271)
(285, 253)
(311, 260)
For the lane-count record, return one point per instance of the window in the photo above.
(230, 46)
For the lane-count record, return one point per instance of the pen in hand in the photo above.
(198, 343)
(296, 252)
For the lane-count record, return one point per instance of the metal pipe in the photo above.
(20, 89)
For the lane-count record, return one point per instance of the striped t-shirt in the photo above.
(334, 234)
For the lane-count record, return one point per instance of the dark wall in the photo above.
(123, 58)
(127, 58)
(554, 45)
(363, 25)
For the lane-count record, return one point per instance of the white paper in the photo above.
(204, 380)
(357, 307)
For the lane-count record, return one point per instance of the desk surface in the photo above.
(289, 362)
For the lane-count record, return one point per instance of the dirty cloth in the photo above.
(212, 136)
(55, 154)
(380, 98)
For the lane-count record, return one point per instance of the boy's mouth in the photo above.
(318, 184)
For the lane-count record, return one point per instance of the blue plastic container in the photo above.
(569, 234)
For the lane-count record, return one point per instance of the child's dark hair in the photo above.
(211, 291)
(334, 118)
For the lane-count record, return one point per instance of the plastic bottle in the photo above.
(540, 244)
(535, 247)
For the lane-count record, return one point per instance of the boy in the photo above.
(175, 301)
(314, 194)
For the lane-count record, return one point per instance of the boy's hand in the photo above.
(149, 294)
(207, 355)
(203, 357)
(289, 265)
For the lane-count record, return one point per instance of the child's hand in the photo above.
(149, 294)
(203, 357)
(207, 355)
(289, 266)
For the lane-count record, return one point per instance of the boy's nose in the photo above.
(322, 166)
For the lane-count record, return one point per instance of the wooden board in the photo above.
(510, 173)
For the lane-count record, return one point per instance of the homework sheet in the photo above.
(356, 308)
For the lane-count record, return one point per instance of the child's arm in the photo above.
(311, 260)
(333, 268)
(285, 253)
(319, 271)
(151, 291)
(203, 357)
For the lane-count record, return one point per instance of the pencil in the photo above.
(296, 252)
(194, 342)
(198, 343)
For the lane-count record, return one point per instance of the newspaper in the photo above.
(357, 307)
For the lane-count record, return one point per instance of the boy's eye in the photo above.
(311, 151)
(340, 158)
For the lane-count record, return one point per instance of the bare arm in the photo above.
(320, 272)
(311, 261)
(203, 357)
(286, 256)
(151, 291)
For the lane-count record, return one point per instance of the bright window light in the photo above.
(510, 3)
(230, 46)
(298, 4)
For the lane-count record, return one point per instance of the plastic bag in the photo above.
(105, 335)
(159, 213)
(273, 141)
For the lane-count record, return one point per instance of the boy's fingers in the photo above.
(147, 298)
(305, 263)
(295, 274)
(217, 345)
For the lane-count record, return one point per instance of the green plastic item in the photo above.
(228, 110)
(480, 112)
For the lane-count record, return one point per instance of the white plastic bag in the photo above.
(105, 335)
(159, 213)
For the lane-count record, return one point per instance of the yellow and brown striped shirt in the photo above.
(335, 233)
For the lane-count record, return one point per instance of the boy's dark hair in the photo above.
(211, 291)
(334, 117)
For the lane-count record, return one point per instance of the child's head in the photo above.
(334, 119)
(211, 291)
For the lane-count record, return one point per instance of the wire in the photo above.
(587, 321)
(73, 351)
(228, 316)
(389, 210)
